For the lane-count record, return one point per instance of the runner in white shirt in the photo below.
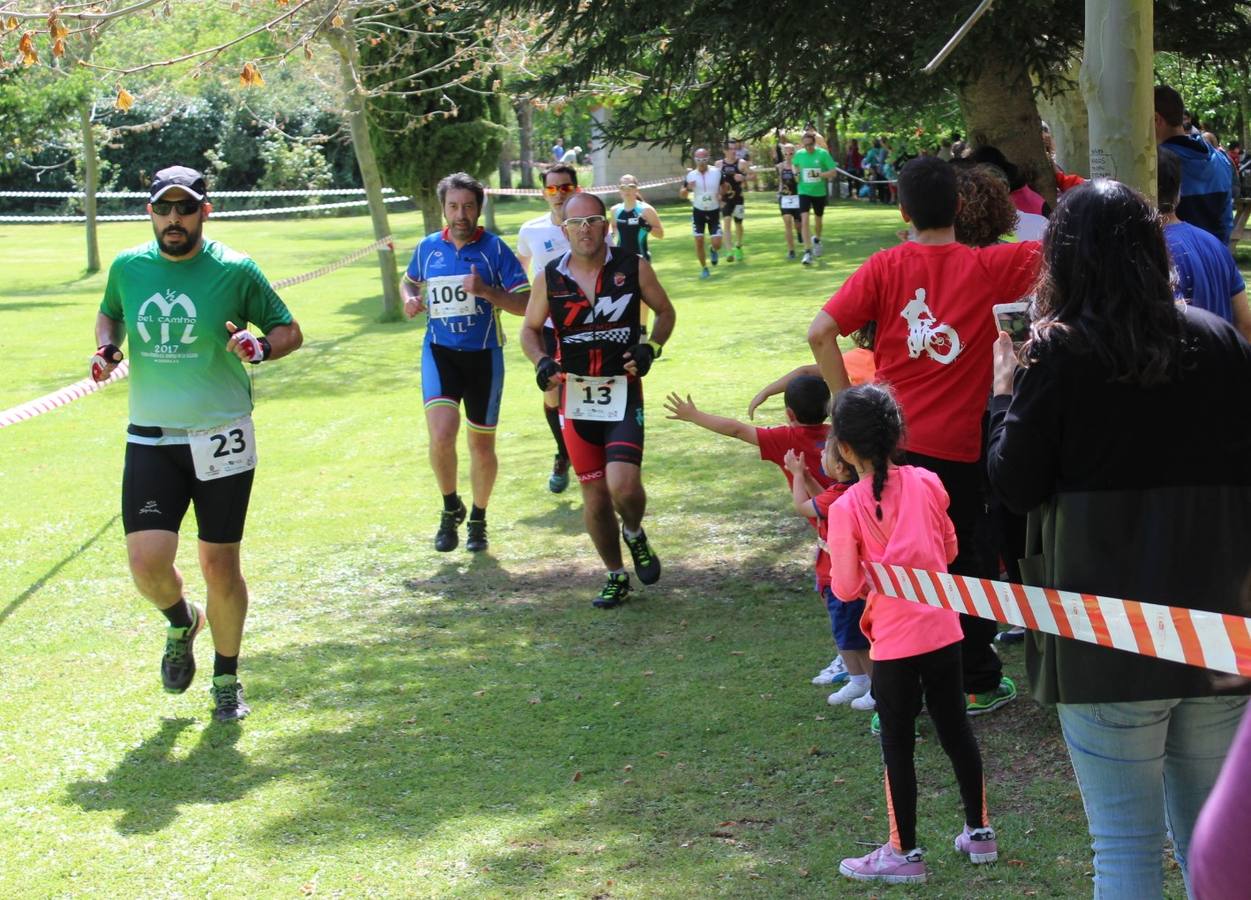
(539, 241)
(702, 186)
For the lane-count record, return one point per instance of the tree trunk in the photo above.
(431, 214)
(525, 124)
(1117, 83)
(91, 183)
(999, 109)
(1070, 129)
(354, 103)
(488, 213)
(506, 164)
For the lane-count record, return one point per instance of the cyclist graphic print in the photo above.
(940, 341)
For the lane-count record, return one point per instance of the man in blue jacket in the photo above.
(1207, 199)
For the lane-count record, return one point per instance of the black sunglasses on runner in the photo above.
(186, 207)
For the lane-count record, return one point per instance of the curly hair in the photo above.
(987, 212)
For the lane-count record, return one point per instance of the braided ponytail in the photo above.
(867, 419)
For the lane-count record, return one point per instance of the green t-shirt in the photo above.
(181, 375)
(810, 165)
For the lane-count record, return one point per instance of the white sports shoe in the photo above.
(834, 673)
(816, 247)
(847, 693)
(865, 703)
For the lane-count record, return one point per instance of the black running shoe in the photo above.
(228, 705)
(476, 540)
(178, 662)
(446, 538)
(646, 563)
(616, 591)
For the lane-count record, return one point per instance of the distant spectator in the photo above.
(570, 157)
(1031, 207)
(986, 210)
(558, 151)
(1207, 176)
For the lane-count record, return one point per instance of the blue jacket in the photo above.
(1207, 186)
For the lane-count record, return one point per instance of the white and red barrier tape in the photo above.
(217, 214)
(1212, 640)
(65, 395)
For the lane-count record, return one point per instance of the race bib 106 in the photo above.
(446, 297)
(223, 451)
(595, 399)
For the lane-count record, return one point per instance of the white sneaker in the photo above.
(807, 260)
(834, 673)
(816, 247)
(865, 703)
(848, 692)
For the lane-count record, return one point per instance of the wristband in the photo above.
(267, 349)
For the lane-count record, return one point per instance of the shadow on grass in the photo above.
(16, 603)
(151, 783)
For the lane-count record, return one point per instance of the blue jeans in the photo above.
(1145, 767)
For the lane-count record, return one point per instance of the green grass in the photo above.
(442, 725)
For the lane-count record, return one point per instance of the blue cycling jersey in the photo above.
(437, 256)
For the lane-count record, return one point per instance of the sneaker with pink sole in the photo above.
(886, 865)
(979, 844)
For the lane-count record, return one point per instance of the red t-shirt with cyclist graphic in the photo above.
(935, 331)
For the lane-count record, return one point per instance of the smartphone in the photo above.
(1014, 319)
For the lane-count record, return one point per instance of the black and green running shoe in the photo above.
(446, 538)
(616, 591)
(228, 705)
(646, 563)
(178, 661)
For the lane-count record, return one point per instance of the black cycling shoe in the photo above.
(646, 563)
(476, 540)
(446, 538)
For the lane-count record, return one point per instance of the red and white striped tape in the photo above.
(49, 402)
(65, 395)
(597, 189)
(1211, 640)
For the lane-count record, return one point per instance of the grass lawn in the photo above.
(441, 725)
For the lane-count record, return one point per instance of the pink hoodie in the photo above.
(914, 531)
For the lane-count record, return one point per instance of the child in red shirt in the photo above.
(813, 502)
(807, 407)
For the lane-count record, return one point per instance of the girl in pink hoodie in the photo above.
(898, 515)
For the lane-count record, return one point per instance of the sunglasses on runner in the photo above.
(186, 207)
(583, 222)
(627, 186)
(555, 189)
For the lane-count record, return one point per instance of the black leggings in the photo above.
(898, 685)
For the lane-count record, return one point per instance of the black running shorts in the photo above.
(159, 483)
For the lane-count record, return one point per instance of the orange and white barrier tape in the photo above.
(49, 402)
(1195, 637)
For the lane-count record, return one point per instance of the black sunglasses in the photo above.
(185, 207)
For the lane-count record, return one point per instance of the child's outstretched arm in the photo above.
(800, 489)
(779, 386)
(686, 411)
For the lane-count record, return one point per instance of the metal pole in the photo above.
(957, 37)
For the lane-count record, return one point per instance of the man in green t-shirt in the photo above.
(814, 166)
(177, 300)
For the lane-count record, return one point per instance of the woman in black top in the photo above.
(1127, 435)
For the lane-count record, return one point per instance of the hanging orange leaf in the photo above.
(283, 2)
(56, 28)
(10, 23)
(58, 48)
(251, 76)
(125, 100)
(337, 21)
(374, 42)
(308, 51)
(26, 47)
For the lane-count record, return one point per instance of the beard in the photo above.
(177, 240)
